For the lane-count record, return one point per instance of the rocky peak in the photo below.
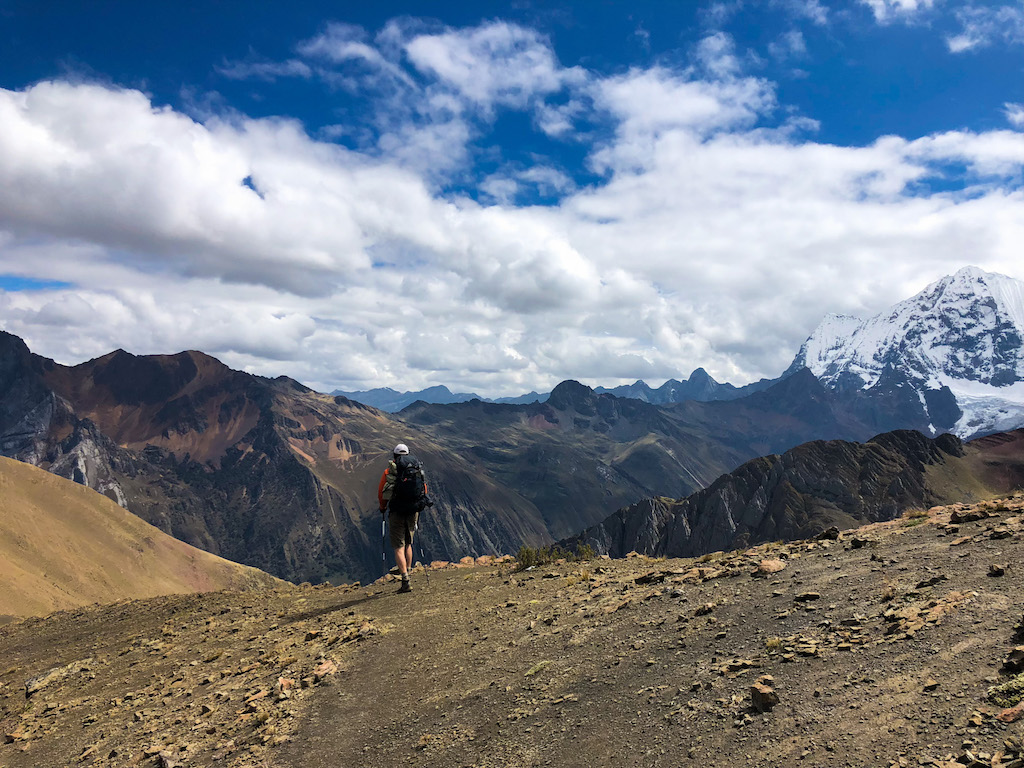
(964, 332)
(571, 395)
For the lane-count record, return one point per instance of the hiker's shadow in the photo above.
(292, 619)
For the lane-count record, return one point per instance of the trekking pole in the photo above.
(383, 548)
(426, 570)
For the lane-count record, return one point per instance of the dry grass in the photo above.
(63, 545)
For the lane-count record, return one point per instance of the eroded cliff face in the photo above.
(783, 497)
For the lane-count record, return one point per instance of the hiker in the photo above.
(402, 493)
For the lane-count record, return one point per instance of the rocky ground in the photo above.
(900, 643)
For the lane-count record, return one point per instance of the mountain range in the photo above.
(269, 473)
(392, 401)
(950, 358)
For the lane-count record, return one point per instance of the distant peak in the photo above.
(569, 393)
(699, 376)
(437, 389)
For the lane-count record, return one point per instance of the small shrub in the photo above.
(773, 643)
(531, 557)
(1008, 694)
(915, 514)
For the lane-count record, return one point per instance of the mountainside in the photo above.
(893, 645)
(581, 455)
(265, 472)
(64, 546)
(957, 347)
(813, 487)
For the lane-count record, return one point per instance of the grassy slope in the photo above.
(63, 545)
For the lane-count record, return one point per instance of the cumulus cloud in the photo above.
(715, 235)
(496, 63)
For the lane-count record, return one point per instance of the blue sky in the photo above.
(361, 195)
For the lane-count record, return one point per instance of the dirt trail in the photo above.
(881, 647)
(880, 651)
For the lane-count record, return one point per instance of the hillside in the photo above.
(63, 546)
(812, 487)
(882, 646)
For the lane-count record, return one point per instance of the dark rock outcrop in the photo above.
(783, 497)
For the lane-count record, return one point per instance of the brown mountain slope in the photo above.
(265, 472)
(63, 545)
(883, 646)
(812, 487)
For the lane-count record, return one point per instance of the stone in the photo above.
(769, 566)
(467, 562)
(829, 534)
(1014, 662)
(1011, 715)
(805, 597)
(323, 669)
(35, 684)
(996, 570)
(968, 516)
(763, 697)
(931, 684)
(654, 577)
(286, 684)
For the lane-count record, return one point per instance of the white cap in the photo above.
(401, 449)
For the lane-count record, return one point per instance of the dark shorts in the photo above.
(402, 527)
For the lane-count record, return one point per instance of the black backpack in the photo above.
(410, 492)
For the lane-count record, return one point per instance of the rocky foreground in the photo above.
(900, 643)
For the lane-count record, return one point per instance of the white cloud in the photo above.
(886, 11)
(808, 9)
(1014, 114)
(715, 237)
(789, 45)
(497, 63)
(716, 53)
(984, 25)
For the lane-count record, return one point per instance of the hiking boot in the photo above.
(406, 586)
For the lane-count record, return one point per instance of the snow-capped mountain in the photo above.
(961, 336)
